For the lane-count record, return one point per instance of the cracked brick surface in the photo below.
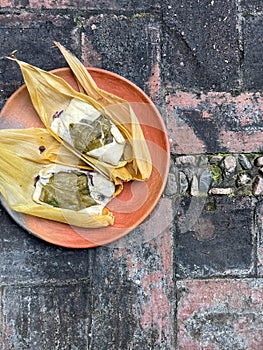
(204, 55)
(130, 48)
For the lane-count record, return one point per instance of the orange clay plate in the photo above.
(137, 199)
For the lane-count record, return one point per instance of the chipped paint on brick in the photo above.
(215, 122)
(90, 58)
(220, 314)
(182, 136)
(241, 141)
(157, 313)
(154, 82)
(150, 268)
(159, 308)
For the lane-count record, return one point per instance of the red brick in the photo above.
(215, 122)
(220, 314)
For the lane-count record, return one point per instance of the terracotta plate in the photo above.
(137, 200)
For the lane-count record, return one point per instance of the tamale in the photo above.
(71, 188)
(124, 155)
(121, 113)
(31, 159)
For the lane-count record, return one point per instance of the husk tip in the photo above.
(11, 56)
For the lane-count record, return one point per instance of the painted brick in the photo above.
(130, 48)
(81, 4)
(139, 270)
(214, 236)
(200, 44)
(214, 122)
(220, 315)
(32, 36)
(253, 47)
(46, 317)
(25, 258)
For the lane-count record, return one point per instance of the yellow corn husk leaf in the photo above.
(50, 93)
(121, 114)
(23, 153)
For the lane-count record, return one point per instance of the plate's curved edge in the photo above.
(18, 217)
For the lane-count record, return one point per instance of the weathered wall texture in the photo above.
(190, 277)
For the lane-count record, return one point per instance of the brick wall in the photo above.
(190, 276)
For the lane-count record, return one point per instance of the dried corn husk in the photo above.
(51, 94)
(28, 153)
(120, 112)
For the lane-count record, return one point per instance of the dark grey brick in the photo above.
(6, 90)
(32, 36)
(128, 48)
(126, 5)
(251, 6)
(137, 5)
(253, 57)
(25, 258)
(200, 44)
(214, 237)
(46, 317)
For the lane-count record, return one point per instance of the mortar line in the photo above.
(79, 12)
(255, 232)
(44, 283)
(1, 316)
(163, 93)
(221, 278)
(240, 20)
(91, 259)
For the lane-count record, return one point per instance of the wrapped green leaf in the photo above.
(73, 189)
(40, 177)
(89, 132)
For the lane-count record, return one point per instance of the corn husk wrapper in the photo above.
(23, 154)
(50, 94)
